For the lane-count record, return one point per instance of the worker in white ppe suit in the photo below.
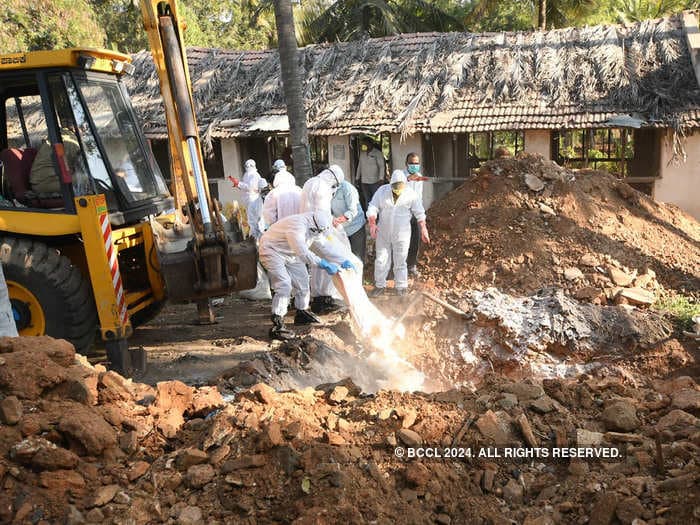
(389, 216)
(284, 252)
(316, 195)
(251, 185)
(284, 200)
(279, 169)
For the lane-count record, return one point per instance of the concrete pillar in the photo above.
(539, 141)
(233, 167)
(339, 153)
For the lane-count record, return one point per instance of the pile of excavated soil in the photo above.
(526, 223)
(79, 444)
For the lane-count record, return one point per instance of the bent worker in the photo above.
(251, 185)
(284, 199)
(347, 211)
(389, 216)
(284, 252)
(317, 195)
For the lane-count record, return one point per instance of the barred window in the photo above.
(319, 152)
(484, 145)
(610, 149)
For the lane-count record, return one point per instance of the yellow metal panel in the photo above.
(38, 223)
(101, 256)
(141, 306)
(61, 58)
(144, 296)
(128, 237)
(133, 297)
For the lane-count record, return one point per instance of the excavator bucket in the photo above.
(213, 269)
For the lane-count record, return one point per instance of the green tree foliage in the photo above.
(322, 21)
(46, 24)
(626, 11)
(250, 24)
(123, 24)
(230, 24)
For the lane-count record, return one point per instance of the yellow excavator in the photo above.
(91, 240)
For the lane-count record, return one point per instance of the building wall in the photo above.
(339, 153)
(680, 181)
(231, 157)
(233, 167)
(539, 141)
(400, 149)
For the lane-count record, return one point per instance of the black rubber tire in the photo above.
(64, 294)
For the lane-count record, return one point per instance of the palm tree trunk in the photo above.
(542, 14)
(292, 85)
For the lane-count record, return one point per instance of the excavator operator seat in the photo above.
(17, 166)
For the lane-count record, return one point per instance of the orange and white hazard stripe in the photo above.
(114, 268)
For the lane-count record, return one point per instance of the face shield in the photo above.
(332, 176)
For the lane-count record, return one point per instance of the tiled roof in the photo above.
(449, 82)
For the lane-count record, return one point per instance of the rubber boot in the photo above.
(278, 330)
(305, 317)
(323, 304)
(377, 292)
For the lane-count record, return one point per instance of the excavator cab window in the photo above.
(136, 175)
(103, 149)
(36, 117)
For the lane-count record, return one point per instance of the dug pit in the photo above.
(547, 335)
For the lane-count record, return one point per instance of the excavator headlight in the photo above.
(86, 61)
(119, 66)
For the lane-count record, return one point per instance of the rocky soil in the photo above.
(80, 444)
(548, 347)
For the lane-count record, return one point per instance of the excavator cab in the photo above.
(91, 239)
(86, 116)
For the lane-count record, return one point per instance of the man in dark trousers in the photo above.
(370, 169)
(415, 182)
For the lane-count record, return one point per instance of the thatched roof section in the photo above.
(450, 82)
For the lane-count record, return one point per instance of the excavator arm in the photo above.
(212, 262)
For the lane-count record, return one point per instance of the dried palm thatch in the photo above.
(451, 82)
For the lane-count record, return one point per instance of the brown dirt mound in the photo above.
(79, 444)
(583, 230)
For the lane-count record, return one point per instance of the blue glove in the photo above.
(331, 268)
(347, 265)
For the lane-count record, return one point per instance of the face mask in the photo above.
(397, 188)
(364, 147)
(413, 168)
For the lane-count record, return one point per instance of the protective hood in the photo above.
(321, 222)
(283, 177)
(279, 165)
(332, 176)
(398, 176)
(250, 165)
